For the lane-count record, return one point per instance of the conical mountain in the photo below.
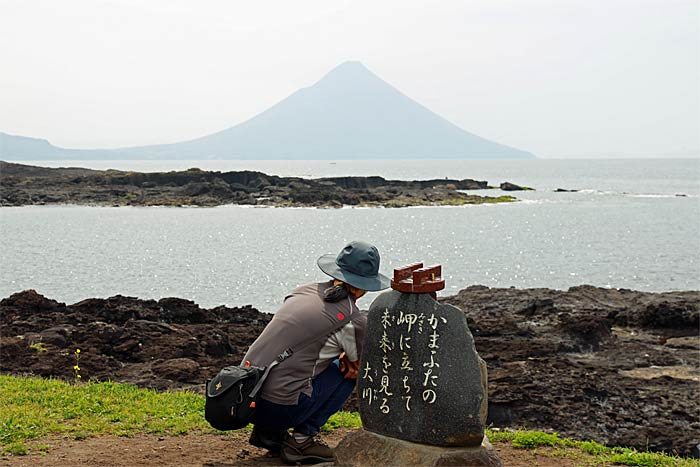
(349, 113)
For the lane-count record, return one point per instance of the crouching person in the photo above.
(313, 383)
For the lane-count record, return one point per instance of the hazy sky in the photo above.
(557, 78)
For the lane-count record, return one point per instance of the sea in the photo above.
(632, 223)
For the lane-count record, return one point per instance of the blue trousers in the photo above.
(330, 391)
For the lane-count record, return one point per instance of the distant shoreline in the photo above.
(24, 185)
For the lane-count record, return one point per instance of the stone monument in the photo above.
(422, 388)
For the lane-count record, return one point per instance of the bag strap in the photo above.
(296, 347)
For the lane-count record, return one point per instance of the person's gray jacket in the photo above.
(304, 313)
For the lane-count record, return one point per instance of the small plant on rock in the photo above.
(39, 347)
(76, 367)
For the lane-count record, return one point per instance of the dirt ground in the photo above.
(208, 450)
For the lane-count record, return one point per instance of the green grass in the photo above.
(600, 455)
(499, 199)
(533, 439)
(343, 419)
(33, 408)
(476, 200)
(18, 448)
(650, 459)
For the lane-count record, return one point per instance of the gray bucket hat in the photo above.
(358, 265)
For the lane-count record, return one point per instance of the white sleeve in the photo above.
(346, 340)
(343, 340)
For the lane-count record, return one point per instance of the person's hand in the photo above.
(348, 368)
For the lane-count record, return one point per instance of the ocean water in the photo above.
(634, 224)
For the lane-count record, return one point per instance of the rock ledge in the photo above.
(363, 448)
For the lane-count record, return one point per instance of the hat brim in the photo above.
(371, 284)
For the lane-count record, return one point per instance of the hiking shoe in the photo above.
(267, 439)
(311, 451)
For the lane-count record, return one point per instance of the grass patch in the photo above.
(598, 454)
(477, 200)
(650, 459)
(343, 420)
(533, 439)
(501, 436)
(592, 448)
(499, 199)
(41, 448)
(33, 408)
(18, 448)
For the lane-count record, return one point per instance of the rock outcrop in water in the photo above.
(617, 366)
(26, 185)
(507, 186)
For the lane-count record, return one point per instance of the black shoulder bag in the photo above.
(232, 395)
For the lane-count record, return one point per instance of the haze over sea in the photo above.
(633, 224)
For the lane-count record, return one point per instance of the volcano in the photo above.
(349, 114)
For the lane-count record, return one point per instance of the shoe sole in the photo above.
(301, 459)
(274, 449)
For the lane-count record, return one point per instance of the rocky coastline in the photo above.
(617, 366)
(22, 185)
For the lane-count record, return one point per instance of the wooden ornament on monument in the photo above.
(422, 387)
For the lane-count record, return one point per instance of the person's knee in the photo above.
(349, 383)
(345, 389)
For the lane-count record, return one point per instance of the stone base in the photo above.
(363, 448)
